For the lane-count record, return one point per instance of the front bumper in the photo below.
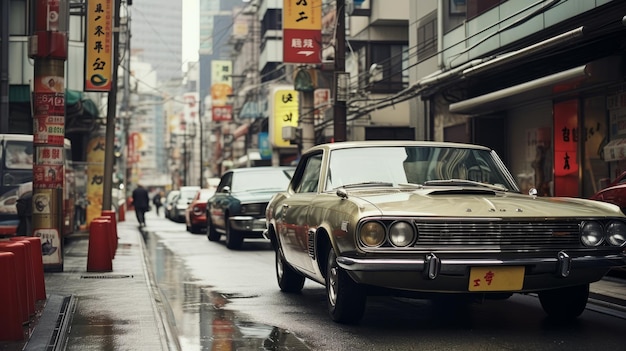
(250, 226)
(432, 274)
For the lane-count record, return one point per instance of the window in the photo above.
(392, 73)
(427, 37)
(311, 175)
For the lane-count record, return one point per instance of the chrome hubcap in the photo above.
(332, 286)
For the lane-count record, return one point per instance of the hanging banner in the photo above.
(302, 31)
(221, 88)
(99, 45)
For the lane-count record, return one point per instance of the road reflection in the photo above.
(202, 319)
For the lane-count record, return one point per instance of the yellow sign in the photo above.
(302, 14)
(496, 278)
(99, 45)
(285, 114)
(221, 81)
(95, 177)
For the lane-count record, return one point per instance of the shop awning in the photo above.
(615, 150)
(593, 72)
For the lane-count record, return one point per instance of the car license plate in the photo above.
(496, 278)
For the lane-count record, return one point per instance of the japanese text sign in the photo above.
(302, 31)
(99, 45)
(285, 115)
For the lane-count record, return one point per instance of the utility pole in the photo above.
(4, 67)
(339, 107)
(48, 48)
(109, 157)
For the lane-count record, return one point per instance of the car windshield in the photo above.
(417, 166)
(261, 180)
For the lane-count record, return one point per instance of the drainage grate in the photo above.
(107, 276)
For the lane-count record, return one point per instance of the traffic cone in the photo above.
(99, 252)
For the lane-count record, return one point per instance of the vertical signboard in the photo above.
(221, 88)
(99, 45)
(302, 31)
(565, 148)
(284, 114)
(95, 176)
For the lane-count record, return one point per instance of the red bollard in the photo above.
(121, 216)
(19, 250)
(30, 276)
(37, 260)
(11, 321)
(114, 239)
(99, 252)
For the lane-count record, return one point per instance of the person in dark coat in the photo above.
(141, 202)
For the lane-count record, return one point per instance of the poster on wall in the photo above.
(566, 136)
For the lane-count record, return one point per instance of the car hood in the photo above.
(476, 202)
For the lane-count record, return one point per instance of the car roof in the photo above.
(382, 143)
(262, 168)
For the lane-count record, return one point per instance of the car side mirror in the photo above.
(226, 189)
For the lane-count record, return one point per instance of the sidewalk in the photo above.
(123, 309)
(118, 310)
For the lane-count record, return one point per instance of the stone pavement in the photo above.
(123, 309)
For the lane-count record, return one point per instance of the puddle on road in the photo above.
(202, 320)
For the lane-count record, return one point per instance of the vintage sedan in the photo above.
(195, 215)
(237, 209)
(434, 219)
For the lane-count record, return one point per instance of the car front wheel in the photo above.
(234, 239)
(211, 233)
(288, 279)
(346, 299)
(565, 303)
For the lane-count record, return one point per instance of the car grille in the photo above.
(504, 234)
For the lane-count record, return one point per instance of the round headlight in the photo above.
(592, 234)
(616, 233)
(401, 234)
(372, 234)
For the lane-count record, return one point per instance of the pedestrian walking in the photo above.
(157, 200)
(141, 202)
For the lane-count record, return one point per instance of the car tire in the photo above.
(565, 303)
(288, 279)
(234, 239)
(346, 299)
(211, 233)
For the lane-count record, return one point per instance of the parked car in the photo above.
(437, 219)
(195, 215)
(614, 193)
(237, 209)
(182, 202)
(168, 204)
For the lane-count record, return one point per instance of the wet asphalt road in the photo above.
(229, 300)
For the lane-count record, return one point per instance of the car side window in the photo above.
(225, 181)
(311, 175)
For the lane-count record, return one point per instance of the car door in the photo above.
(294, 228)
(218, 203)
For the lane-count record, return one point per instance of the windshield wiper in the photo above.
(462, 182)
(366, 184)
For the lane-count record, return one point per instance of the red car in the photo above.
(614, 193)
(195, 215)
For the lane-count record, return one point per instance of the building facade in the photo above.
(542, 83)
